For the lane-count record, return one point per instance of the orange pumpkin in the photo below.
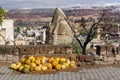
(49, 66)
(22, 60)
(58, 67)
(54, 63)
(62, 60)
(57, 59)
(32, 65)
(37, 61)
(38, 68)
(50, 60)
(44, 68)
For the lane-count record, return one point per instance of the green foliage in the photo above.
(17, 29)
(28, 27)
(89, 50)
(45, 26)
(76, 46)
(33, 27)
(95, 34)
(83, 33)
(3, 15)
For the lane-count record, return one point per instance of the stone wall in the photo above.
(107, 50)
(13, 53)
(107, 55)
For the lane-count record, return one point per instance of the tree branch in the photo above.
(95, 25)
(78, 41)
(74, 33)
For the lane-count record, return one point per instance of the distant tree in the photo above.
(3, 15)
(17, 29)
(28, 27)
(109, 26)
(33, 27)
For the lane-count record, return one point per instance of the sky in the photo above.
(28, 4)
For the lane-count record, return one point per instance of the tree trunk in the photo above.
(84, 50)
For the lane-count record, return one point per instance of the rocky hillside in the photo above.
(36, 17)
(38, 13)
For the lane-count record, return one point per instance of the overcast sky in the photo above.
(14, 4)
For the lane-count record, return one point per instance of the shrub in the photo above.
(76, 46)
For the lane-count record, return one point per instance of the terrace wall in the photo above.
(14, 53)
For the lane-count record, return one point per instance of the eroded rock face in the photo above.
(60, 30)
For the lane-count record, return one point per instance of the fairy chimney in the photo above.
(60, 30)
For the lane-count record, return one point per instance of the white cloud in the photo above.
(55, 3)
(110, 4)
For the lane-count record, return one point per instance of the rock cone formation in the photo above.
(60, 30)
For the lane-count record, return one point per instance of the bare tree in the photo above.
(90, 31)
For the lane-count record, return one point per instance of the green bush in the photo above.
(17, 29)
(76, 46)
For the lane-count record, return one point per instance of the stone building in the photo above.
(40, 36)
(7, 32)
(32, 37)
(60, 30)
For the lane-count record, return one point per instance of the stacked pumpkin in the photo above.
(43, 63)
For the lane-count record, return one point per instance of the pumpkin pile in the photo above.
(37, 63)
